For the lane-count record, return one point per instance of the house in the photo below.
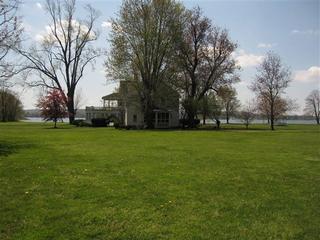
(125, 105)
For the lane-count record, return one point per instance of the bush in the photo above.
(100, 122)
(184, 122)
(81, 123)
(77, 122)
(116, 121)
(116, 125)
(196, 122)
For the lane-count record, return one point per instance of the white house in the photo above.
(125, 105)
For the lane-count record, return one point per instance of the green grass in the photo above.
(87, 183)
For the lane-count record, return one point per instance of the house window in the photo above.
(163, 119)
(134, 118)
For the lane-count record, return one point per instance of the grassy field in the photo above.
(86, 183)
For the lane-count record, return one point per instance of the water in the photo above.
(261, 121)
(38, 119)
(209, 121)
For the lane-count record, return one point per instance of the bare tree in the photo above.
(229, 100)
(270, 82)
(204, 57)
(281, 107)
(313, 105)
(247, 113)
(65, 51)
(10, 31)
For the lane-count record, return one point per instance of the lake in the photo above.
(232, 120)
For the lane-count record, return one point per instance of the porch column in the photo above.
(156, 120)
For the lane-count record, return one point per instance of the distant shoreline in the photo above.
(208, 121)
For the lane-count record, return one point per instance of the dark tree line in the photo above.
(11, 108)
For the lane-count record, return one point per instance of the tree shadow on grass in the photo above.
(7, 148)
(205, 129)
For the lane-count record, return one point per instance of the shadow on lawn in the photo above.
(210, 128)
(9, 148)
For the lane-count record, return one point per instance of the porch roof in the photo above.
(161, 110)
(112, 96)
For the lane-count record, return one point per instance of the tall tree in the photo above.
(53, 106)
(10, 31)
(229, 100)
(65, 51)
(204, 57)
(270, 82)
(142, 40)
(313, 105)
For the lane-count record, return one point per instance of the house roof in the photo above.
(112, 96)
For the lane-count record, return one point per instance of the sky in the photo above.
(288, 28)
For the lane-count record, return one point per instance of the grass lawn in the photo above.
(87, 183)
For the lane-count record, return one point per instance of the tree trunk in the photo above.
(227, 117)
(148, 112)
(218, 123)
(70, 107)
(272, 116)
(191, 113)
(3, 106)
(55, 123)
(190, 117)
(204, 119)
(149, 118)
(318, 120)
(272, 122)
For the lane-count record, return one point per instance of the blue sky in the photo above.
(289, 28)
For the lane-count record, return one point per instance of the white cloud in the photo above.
(27, 27)
(305, 32)
(106, 24)
(266, 45)
(77, 26)
(310, 75)
(39, 5)
(244, 59)
(39, 37)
